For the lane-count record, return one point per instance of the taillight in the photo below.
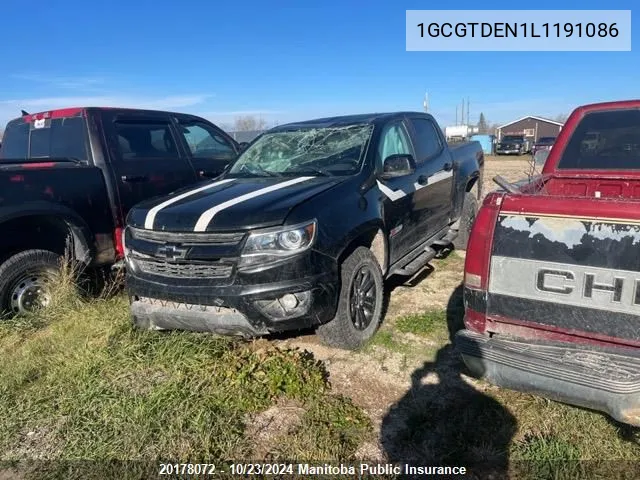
(478, 255)
(118, 243)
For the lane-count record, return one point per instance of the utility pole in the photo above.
(468, 110)
(426, 102)
(462, 115)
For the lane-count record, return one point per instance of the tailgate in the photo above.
(568, 265)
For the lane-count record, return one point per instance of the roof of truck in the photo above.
(73, 111)
(343, 120)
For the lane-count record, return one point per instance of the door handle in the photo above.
(447, 167)
(134, 178)
(423, 180)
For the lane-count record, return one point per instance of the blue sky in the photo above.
(286, 62)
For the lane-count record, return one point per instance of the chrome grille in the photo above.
(185, 270)
(184, 238)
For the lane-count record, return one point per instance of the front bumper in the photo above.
(249, 305)
(607, 380)
(508, 152)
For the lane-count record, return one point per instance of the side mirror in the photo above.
(398, 165)
(242, 146)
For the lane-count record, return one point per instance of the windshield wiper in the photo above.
(260, 170)
(316, 170)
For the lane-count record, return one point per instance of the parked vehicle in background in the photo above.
(552, 272)
(302, 230)
(543, 143)
(512, 145)
(590, 141)
(69, 177)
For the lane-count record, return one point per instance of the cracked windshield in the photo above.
(315, 151)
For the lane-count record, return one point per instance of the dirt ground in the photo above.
(379, 378)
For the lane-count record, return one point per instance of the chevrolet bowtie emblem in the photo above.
(172, 252)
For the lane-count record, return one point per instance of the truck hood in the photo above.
(229, 204)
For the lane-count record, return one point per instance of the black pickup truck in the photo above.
(69, 177)
(303, 228)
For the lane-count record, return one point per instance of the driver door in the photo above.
(397, 193)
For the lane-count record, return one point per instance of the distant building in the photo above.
(533, 128)
(245, 136)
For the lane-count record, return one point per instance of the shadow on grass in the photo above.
(444, 421)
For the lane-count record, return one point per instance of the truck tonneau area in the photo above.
(590, 377)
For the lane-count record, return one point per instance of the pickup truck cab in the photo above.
(69, 177)
(303, 228)
(512, 145)
(552, 272)
(543, 143)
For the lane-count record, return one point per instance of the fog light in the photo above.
(289, 301)
(290, 305)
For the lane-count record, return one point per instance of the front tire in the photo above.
(360, 304)
(469, 211)
(23, 281)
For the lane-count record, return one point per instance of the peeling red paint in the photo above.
(38, 165)
(60, 113)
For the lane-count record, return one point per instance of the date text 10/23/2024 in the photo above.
(244, 469)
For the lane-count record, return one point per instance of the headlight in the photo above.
(270, 245)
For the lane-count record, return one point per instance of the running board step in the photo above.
(447, 239)
(416, 264)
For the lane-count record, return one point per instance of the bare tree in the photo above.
(492, 129)
(249, 123)
(227, 127)
(562, 117)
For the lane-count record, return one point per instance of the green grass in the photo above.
(386, 339)
(425, 324)
(80, 383)
(443, 419)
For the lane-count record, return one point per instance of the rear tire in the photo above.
(469, 211)
(360, 304)
(23, 279)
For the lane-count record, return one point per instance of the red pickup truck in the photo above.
(552, 271)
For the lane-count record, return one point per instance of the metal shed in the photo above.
(533, 128)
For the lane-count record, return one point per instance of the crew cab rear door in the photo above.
(145, 155)
(434, 168)
(209, 148)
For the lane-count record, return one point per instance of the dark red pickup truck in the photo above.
(552, 273)
(69, 177)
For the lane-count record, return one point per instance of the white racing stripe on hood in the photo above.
(207, 216)
(151, 214)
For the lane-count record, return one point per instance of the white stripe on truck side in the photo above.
(207, 216)
(151, 214)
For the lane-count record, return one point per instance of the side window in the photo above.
(15, 144)
(205, 142)
(145, 140)
(394, 140)
(427, 139)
